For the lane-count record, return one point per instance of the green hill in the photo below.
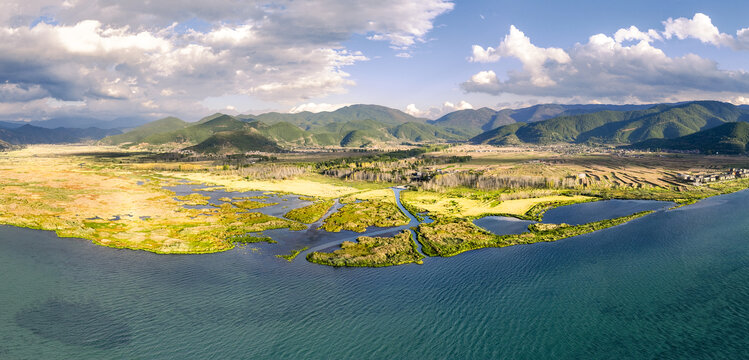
(198, 132)
(235, 142)
(729, 138)
(417, 132)
(618, 127)
(138, 134)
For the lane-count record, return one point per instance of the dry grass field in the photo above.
(47, 187)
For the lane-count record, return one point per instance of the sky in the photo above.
(190, 58)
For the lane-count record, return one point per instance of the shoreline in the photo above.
(417, 240)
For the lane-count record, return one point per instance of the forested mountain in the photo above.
(485, 119)
(729, 138)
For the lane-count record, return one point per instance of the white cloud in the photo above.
(133, 56)
(315, 108)
(607, 69)
(739, 100)
(634, 34)
(742, 39)
(519, 46)
(698, 27)
(404, 55)
(435, 112)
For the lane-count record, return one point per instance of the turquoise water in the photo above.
(674, 284)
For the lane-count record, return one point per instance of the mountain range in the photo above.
(80, 122)
(374, 125)
(618, 127)
(353, 126)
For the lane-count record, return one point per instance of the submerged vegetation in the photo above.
(372, 252)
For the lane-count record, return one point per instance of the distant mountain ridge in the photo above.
(308, 120)
(29, 134)
(80, 122)
(618, 127)
(485, 119)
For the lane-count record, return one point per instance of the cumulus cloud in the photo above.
(519, 46)
(143, 56)
(699, 27)
(625, 67)
(435, 112)
(634, 34)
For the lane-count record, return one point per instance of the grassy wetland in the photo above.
(119, 197)
(372, 252)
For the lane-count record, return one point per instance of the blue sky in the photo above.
(190, 59)
(438, 66)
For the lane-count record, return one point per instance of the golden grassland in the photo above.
(46, 187)
(461, 204)
(308, 185)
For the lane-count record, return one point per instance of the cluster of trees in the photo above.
(383, 157)
(496, 182)
(398, 176)
(267, 171)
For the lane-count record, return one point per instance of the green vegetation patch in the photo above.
(450, 236)
(293, 254)
(249, 239)
(372, 252)
(311, 213)
(358, 216)
(249, 204)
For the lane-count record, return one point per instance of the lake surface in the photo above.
(584, 213)
(575, 214)
(671, 285)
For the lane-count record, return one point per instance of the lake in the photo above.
(674, 284)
